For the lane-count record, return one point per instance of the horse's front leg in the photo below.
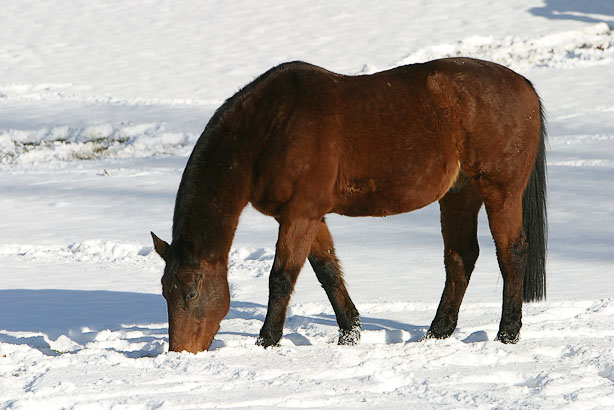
(293, 245)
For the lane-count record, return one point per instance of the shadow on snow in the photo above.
(589, 11)
(78, 315)
(37, 318)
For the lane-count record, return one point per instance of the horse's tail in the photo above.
(534, 218)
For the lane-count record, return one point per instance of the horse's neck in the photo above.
(213, 192)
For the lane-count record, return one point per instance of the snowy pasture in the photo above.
(100, 105)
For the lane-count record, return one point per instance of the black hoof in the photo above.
(433, 335)
(507, 337)
(261, 341)
(349, 337)
(440, 330)
(267, 339)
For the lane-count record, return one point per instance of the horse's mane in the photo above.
(190, 234)
(229, 105)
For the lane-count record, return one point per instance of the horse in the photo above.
(300, 142)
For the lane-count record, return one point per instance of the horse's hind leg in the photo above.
(459, 221)
(326, 266)
(293, 245)
(505, 219)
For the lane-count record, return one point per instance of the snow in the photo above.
(100, 106)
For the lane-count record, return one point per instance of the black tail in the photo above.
(535, 222)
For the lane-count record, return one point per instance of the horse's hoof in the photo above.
(433, 334)
(429, 335)
(267, 341)
(441, 328)
(507, 338)
(261, 341)
(349, 337)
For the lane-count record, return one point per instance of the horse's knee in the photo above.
(281, 284)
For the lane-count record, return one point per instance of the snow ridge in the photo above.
(96, 250)
(244, 262)
(593, 45)
(64, 143)
(63, 92)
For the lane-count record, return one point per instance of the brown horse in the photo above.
(300, 142)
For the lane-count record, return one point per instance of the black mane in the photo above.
(187, 246)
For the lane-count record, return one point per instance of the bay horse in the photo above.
(300, 142)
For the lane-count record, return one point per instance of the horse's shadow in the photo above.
(388, 331)
(383, 330)
(39, 318)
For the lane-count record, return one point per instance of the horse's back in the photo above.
(418, 127)
(393, 141)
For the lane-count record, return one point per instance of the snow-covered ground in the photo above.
(100, 104)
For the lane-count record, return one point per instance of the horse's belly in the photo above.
(377, 197)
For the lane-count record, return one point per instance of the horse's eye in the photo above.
(192, 295)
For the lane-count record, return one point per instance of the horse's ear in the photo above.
(159, 245)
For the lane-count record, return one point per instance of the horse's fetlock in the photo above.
(349, 337)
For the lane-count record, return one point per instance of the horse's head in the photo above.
(197, 296)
